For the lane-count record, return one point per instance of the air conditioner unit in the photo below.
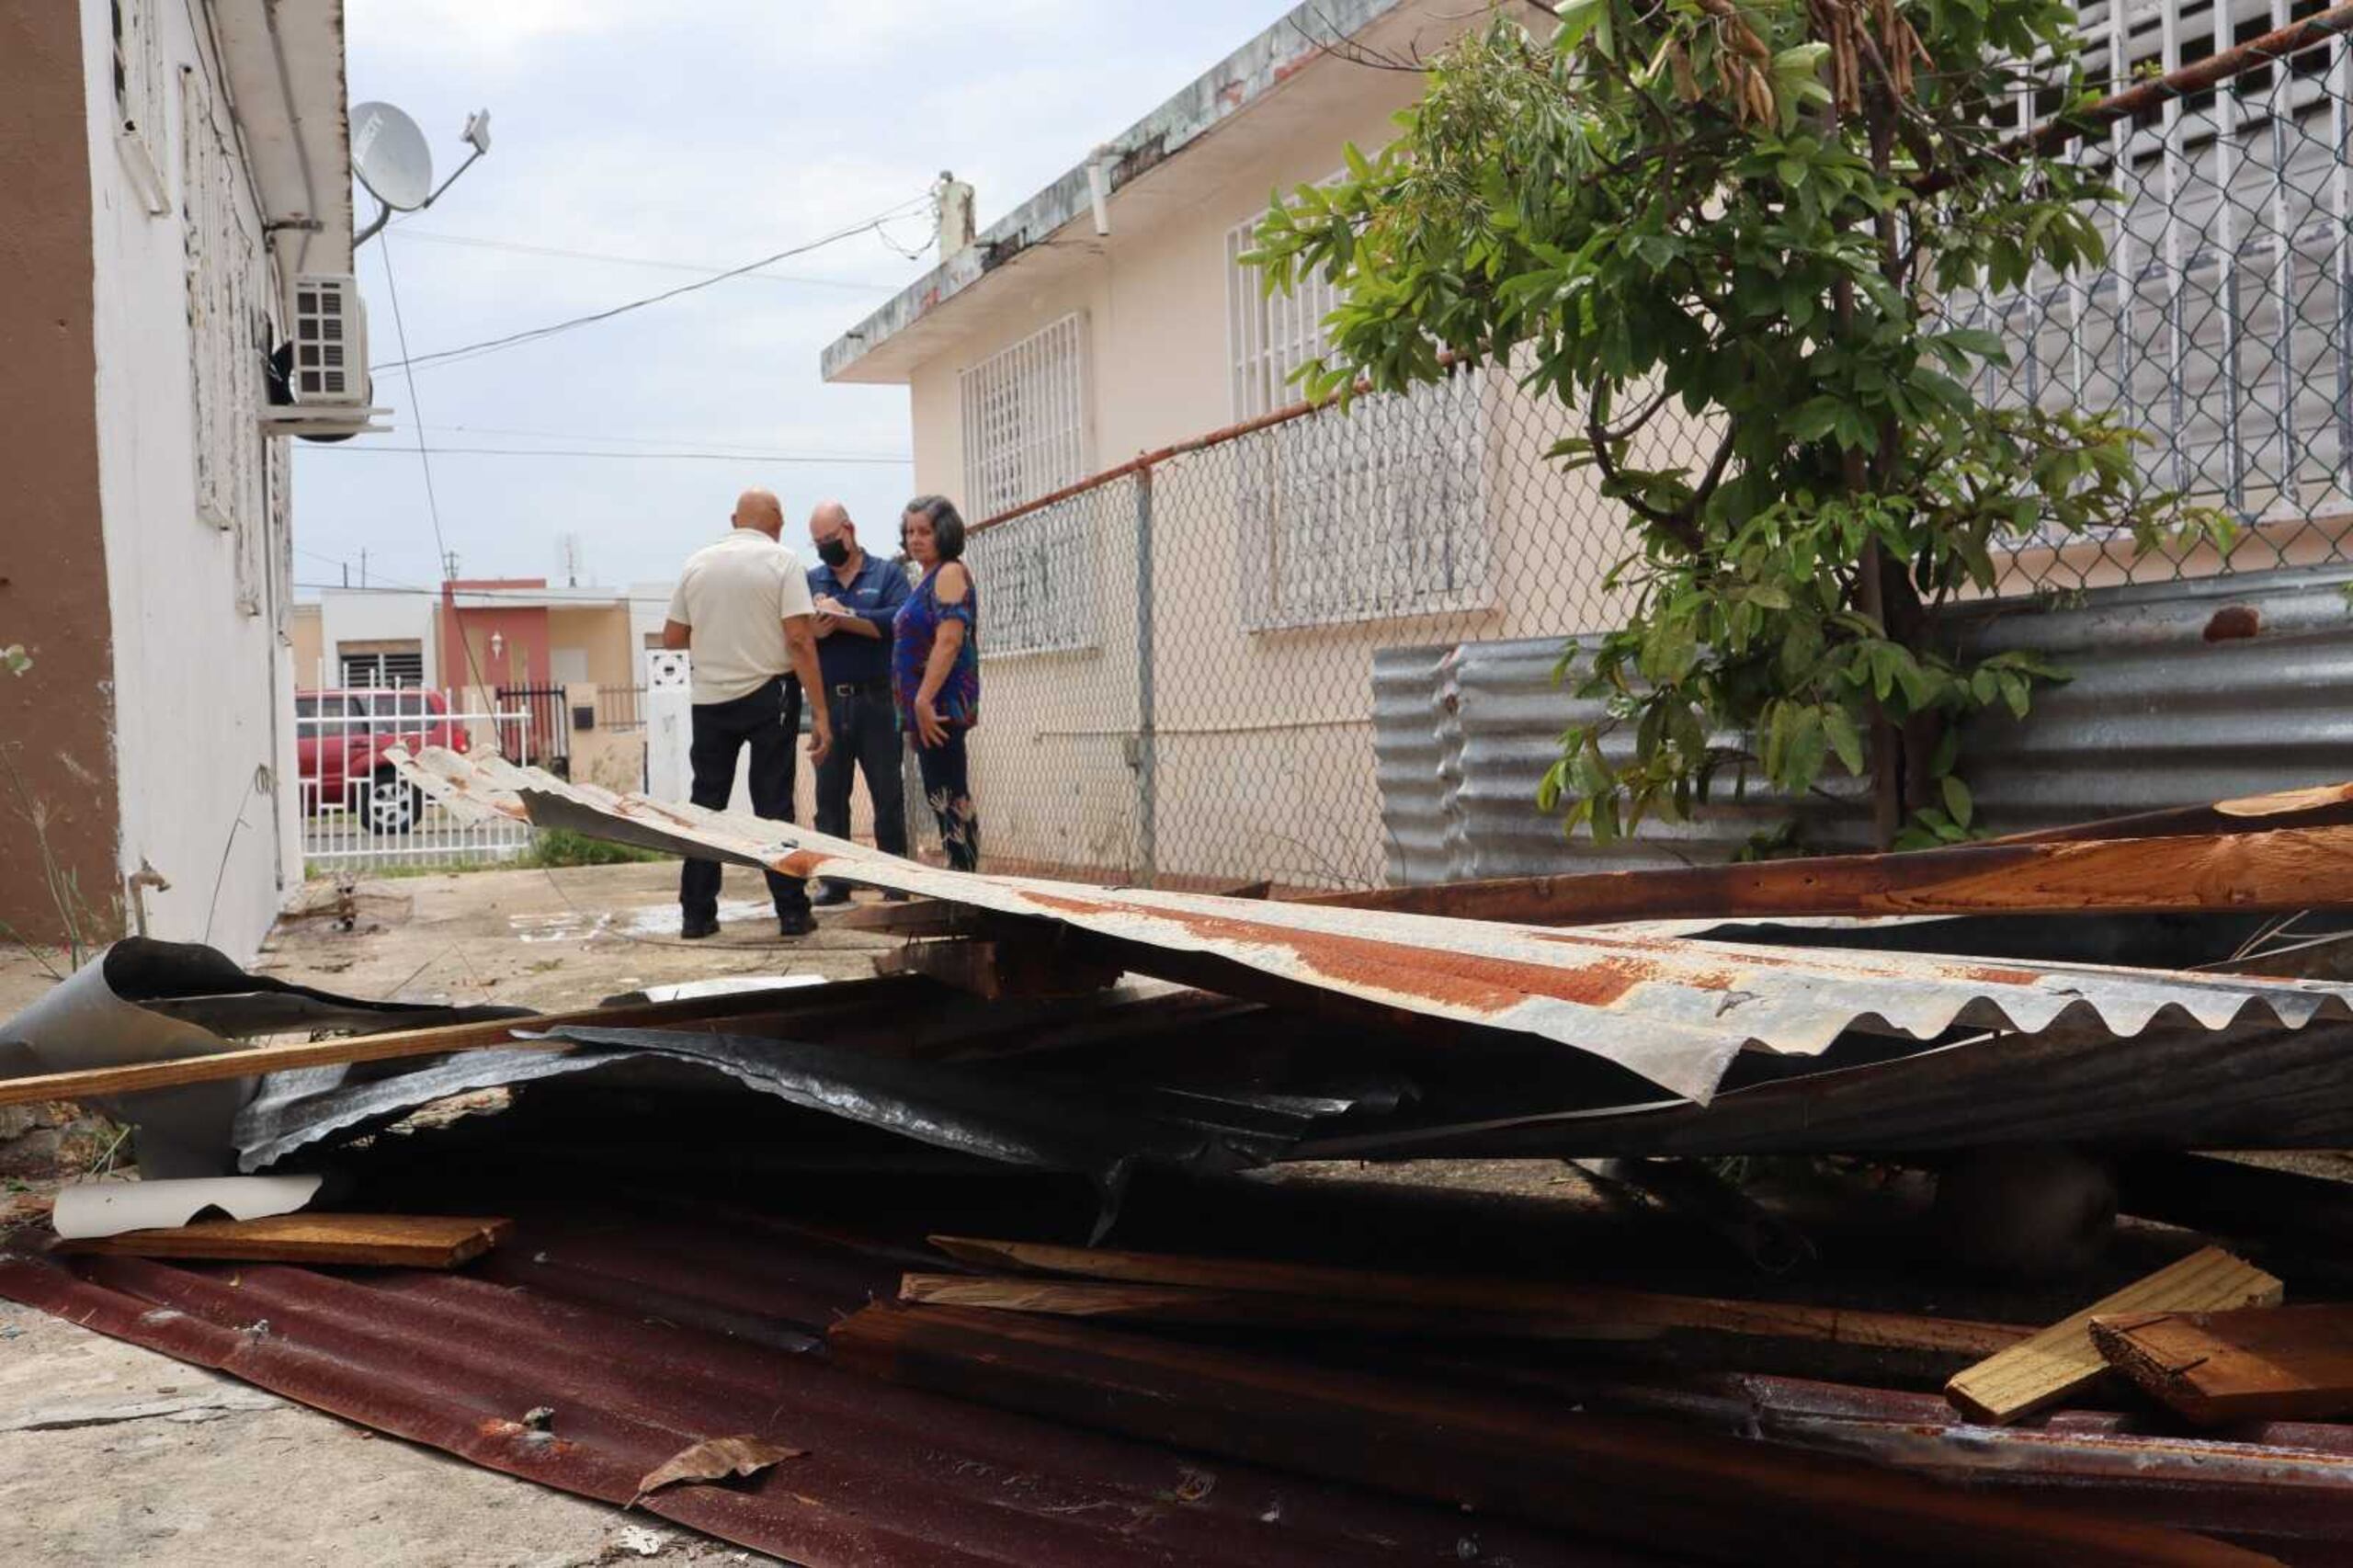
(330, 368)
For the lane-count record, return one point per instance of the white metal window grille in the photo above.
(1026, 434)
(227, 337)
(279, 474)
(141, 101)
(1371, 515)
(2216, 323)
(1037, 573)
(383, 671)
(1269, 336)
(1026, 419)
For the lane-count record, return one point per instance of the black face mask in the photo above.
(833, 552)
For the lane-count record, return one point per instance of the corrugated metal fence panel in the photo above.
(1415, 761)
(2182, 693)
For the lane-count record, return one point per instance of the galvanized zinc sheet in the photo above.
(2180, 693)
(1674, 1011)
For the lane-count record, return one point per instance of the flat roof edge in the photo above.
(1226, 90)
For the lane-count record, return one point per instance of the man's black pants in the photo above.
(769, 723)
(866, 740)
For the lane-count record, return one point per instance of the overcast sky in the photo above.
(697, 136)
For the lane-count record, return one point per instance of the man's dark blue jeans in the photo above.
(866, 740)
(769, 724)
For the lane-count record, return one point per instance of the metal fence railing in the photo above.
(359, 814)
(1177, 655)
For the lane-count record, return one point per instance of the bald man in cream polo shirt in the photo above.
(743, 608)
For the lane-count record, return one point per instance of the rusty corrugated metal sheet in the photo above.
(1672, 1010)
(648, 1330)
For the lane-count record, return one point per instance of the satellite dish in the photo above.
(388, 155)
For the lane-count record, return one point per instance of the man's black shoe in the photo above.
(695, 930)
(799, 923)
(893, 895)
(831, 896)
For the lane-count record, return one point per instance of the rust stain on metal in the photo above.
(1468, 980)
(2233, 624)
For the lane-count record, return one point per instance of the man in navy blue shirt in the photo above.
(857, 595)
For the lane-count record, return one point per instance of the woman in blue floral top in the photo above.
(935, 669)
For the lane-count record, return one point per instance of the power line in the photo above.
(532, 335)
(424, 458)
(703, 269)
(555, 599)
(747, 448)
(642, 456)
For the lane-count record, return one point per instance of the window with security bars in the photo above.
(383, 670)
(228, 339)
(1038, 574)
(141, 102)
(1272, 335)
(1372, 513)
(2218, 322)
(1025, 420)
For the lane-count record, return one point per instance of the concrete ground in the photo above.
(110, 1454)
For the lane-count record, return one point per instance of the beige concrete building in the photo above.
(1049, 350)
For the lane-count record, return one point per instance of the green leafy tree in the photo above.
(1747, 212)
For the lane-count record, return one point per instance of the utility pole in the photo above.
(363, 566)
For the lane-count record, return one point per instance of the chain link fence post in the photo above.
(1147, 742)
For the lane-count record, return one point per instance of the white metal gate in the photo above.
(357, 815)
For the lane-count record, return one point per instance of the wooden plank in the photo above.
(1661, 1487)
(1501, 1300)
(2274, 870)
(400, 1241)
(1583, 1314)
(391, 1045)
(2062, 1359)
(2254, 1364)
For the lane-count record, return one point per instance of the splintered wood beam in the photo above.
(1663, 1488)
(2062, 1359)
(1534, 1299)
(2254, 1364)
(1480, 1310)
(2273, 871)
(390, 1240)
(92, 1082)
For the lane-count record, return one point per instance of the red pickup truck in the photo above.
(340, 739)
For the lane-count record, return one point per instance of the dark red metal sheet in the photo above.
(647, 1332)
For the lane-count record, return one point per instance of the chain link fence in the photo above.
(2217, 324)
(1177, 655)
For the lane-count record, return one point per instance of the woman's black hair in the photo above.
(947, 524)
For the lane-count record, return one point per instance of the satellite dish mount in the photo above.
(390, 156)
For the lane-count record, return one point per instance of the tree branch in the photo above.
(1676, 525)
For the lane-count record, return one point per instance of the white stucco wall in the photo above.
(373, 615)
(204, 756)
